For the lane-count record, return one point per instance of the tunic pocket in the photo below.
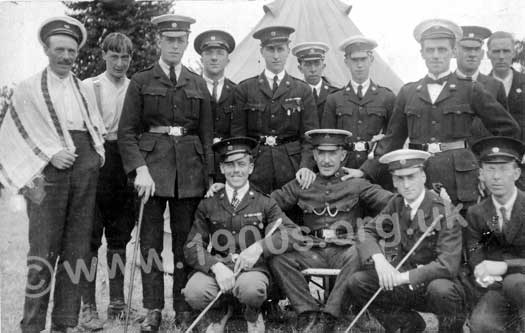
(376, 119)
(413, 122)
(458, 120)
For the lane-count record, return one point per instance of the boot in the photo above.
(89, 319)
(152, 321)
(218, 320)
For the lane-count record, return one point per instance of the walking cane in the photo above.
(405, 258)
(133, 263)
(220, 293)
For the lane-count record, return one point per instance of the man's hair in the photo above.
(117, 42)
(452, 42)
(500, 35)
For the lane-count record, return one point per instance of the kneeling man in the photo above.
(428, 280)
(230, 224)
(496, 239)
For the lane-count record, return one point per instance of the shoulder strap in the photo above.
(98, 97)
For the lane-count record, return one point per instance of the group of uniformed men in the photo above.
(328, 157)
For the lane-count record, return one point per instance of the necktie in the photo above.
(235, 199)
(316, 96)
(504, 219)
(214, 92)
(275, 85)
(173, 77)
(469, 78)
(360, 91)
(440, 81)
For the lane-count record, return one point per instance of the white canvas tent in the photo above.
(314, 20)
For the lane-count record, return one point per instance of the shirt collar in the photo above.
(241, 192)
(507, 79)
(414, 206)
(509, 204)
(210, 81)
(445, 73)
(364, 85)
(166, 68)
(464, 76)
(122, 83)
(317, 87)
(269, 76)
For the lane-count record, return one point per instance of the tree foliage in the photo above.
(129, 17)
(520, 54)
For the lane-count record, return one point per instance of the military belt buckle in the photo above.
(434, 147)
(270, 140)
(217, 139)
(328, 233)
(176, 131)
(360, 146)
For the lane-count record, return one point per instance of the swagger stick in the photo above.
(133, 264)
(405, 258)
(276, 225)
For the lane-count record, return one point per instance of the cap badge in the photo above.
(327, 136)
(174, 25)
(495, 150)
(273, 33)
(518, 90)
(212, 38)
(402, 161)
(471, 35)
(230, 147)
(67, 26)
(312, 50)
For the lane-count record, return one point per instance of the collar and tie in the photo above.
(504, 219)
(360, 91)
(235, 199)
(316, 95)
(440, 81)
(275, 84)
(214, 91)
(173, 77)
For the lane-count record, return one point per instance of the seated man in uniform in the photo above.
(495, 238)
(232, 225)
(428, 280)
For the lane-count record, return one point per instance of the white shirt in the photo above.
(166, 68)
(364, 86)
(464, 76)
(508, 206)
(434, 89)
(507, 82)
(269, 76)
(414, 205)
(241, 192)
(317, 87)
(65, 101)
(209, 84)
(111, 100)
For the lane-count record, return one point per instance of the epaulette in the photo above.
(258, 190)
(146, 68)
(192, 72)
(386, 88)
(230, 82)
(250, 78)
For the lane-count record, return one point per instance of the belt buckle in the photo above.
(328, 233)
(360, 146)
(270, 140)
(434, 147)
(218, 139)
(176, 131)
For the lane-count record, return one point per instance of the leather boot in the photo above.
(152, 321)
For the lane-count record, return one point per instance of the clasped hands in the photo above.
(488, 271)
(389, 277)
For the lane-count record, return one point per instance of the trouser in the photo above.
(115, 217)
(151, 245)
(250, 289)
(443, 297)
(287, 268)
(502, 307)
(59, 229)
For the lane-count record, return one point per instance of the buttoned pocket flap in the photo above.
(155, 91)
(458, 109)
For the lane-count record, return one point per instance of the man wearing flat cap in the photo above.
(215, 47)
(428, 280)
(311, 59)
(469, 56)
(436, 113)
(495, 239)
(233, 224)
(165, 136)
(52, 150)
(501, 53)
(362, 107)
(276, 109)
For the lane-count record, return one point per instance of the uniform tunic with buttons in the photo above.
(448, 119)
(363, 117)
(326, 89)
(287, 114)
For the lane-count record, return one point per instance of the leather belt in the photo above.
(327, 233)
(271, 140)
(437, 147)
(170, 130)
(361, 146)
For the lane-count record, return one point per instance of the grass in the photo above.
(13, 251)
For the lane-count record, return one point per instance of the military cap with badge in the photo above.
(357, 44)
(437, 29)
(474, 36)
(234, 148)
(62, 25)
(404, 162)
(273, 35)
(171, 25)
(310, 51)
(214, 39)
(499, 149)
(329, 139)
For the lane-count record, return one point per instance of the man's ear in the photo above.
(345, 152)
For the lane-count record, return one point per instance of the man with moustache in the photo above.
(311, 59)
(214, 47)
(362, 107)
(469, 56)
(115, 198)
(495, 239)
(435, 114)
(501, 52)
(164, 136)
(52, 149)
(428, 280)
(276, 109)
